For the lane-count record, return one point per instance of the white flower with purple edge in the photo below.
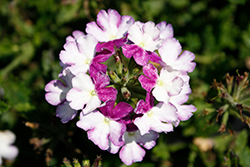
(78, 54)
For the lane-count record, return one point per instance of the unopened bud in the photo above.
(125, 93)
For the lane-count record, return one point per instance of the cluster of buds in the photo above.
(233, 99)
(129, 80)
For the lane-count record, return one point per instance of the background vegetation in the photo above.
(32, 33)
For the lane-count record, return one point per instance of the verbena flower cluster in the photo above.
(129, 80)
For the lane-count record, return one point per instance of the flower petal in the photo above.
(83, 82)
(121, 110)
(141, 57)
(176, 88)
(166, 31)
(129, 50)
(9, 152)
(96, 31)
(56, 92)
(93, 103)
(185, 111)
(98, 129)
(113, 148)
(148, 140)
(108, 93)
(65, 112)
(7, 137)
(77, 98)
(184, 62)
(96, 67)
(170, 50)
(116, 130)
(131, 152)
(160, 94)
(101, 80)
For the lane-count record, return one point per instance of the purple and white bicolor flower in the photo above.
(110, 26)
(158, 118)
(103, 127)
(7, 150)
(167, 84)
(132, 151)
(78, 54)
(146, 38)
(56, 95)
(90, 93)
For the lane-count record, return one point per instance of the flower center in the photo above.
(106, 120)
(88, 61)
(131, 133)
(150, 113)
(142, 44)
(159, 82)
(112, 37)
(93, 93)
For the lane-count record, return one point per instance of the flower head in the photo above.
(129, 79)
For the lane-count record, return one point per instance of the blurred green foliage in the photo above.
(32, 33)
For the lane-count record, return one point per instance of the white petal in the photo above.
(160, 94)
(87, 46)
(170, 50)
(135, 33)
(7, 137)
(167, 112)
(176, 87)
(131, 152)
(8, 152)
(116, 132)
(113, 148)
(82, 82)
(89, 121)
(92, 104)
(99, 135)
(77, 98)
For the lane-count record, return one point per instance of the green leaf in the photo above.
(161, 150)
(231, 159)
(4, 107)
(241, 148)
